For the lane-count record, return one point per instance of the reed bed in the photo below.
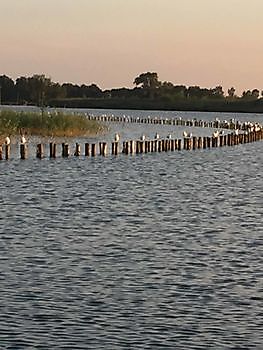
(47, 123)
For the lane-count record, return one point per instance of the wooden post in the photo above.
(7, 152)
(77, 150)
(200, 142)
(66, 150)
(125, 147)
(145, 147)
(23, 151)
(52, 150)
(100, 148)
(179, 145)
(229, 139)
(132, 146)
(87, 150)
(93, 149)
(172, 145)
(1, 152)
(185, 142)
(137, 147)
(204, 142)
(155, 147)
(104, 149)
(194, 142)
(160, 145)
(40, 151)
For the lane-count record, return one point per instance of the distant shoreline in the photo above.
(148, 105)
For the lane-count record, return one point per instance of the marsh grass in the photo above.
(55, 124)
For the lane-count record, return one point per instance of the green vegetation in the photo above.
(148, 93)
(47, 124)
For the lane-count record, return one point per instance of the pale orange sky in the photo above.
(110, 42)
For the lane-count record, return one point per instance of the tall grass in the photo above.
(47, 124)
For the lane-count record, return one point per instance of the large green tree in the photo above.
(147, 80)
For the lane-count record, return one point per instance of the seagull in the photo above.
(142, 138)
(157, 136)
(23, 139)
(169, 136)
(117, 137)
(216, 133)
(187, 134)
(7, 141)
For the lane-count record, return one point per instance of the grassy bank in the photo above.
(55, 124)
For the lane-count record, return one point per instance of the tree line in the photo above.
(148, 93)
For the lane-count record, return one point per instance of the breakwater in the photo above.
(188, 143)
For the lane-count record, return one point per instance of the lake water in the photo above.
(153, 251)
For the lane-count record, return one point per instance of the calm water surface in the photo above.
(155, 251)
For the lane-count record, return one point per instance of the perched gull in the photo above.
(157, 136)
(216, 133)
(7, 141)
(142, 137)
(117, 137)
(23, 139)
(187, 134)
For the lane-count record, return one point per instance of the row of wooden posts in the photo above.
(138, 147)
(216, 124)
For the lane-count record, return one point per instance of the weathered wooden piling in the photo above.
(194, 142)
(7, 152)
(187, 143)
(1, 152)
(104, 149)
(214, 141)
(65, 150)
(77, 150)
(93, 149)
(160, 148)
(132, 147)
(52, 150)
(200, 142)
(137, 149)
(179, 144)
(23, 151)
(40, 151)
(125, 147)
(172, 145)
(115, 148)
(87, 149)
(204, 142)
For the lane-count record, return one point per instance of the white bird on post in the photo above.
(216, 133)
(23, 139)
(187, 134)
(7, 140)
(117, 137)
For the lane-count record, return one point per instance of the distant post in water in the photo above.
(87, 150)
(1, 152)
(104, 148)
(77, 150)
(40, 151)
(7, 152)
(52, 150)
(65, 150)
(23, 151)
(93, 149)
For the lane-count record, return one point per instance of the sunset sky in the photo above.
(110, 42)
